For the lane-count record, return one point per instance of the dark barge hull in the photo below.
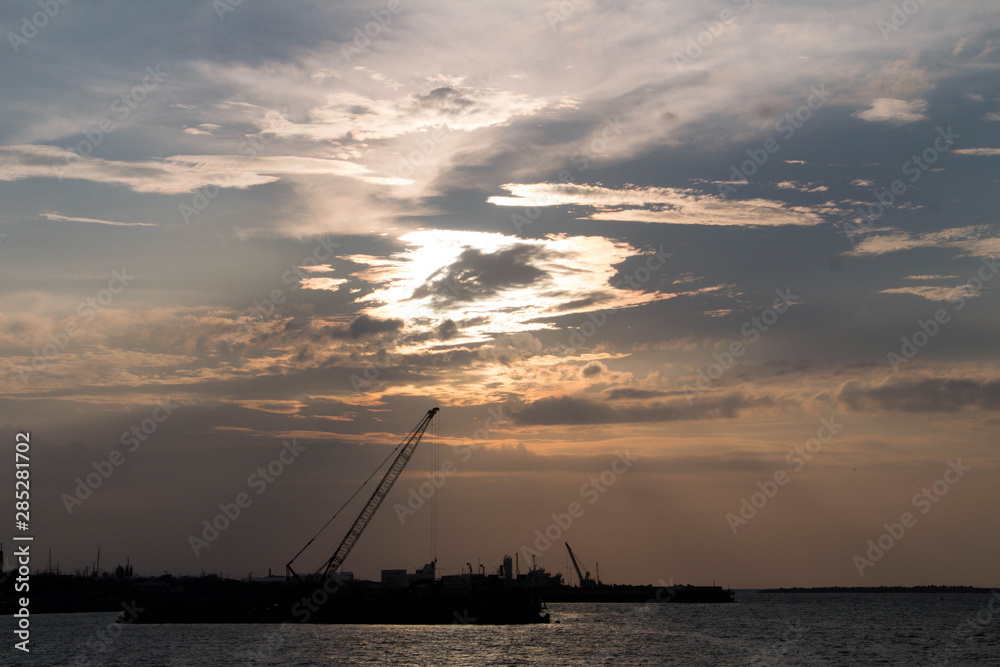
(475, 600)
(359, 605)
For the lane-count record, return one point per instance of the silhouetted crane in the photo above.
(585, 580)
(409, 445)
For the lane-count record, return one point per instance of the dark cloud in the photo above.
(446, 100)
(628, 393)
(585, 302)
(447, 329)
(300, 331)
(477, 275)
(929, 395)
(364, 325)
(571, 410)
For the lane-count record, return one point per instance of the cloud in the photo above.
(572, 410)
(889, 110)
(979, 152)
(935, 292)
(593, 369)
(321, 283)
(924, 395)
(364, 325)
(63, 218)
(414, 104)
(364, 118)
(677, 206)
(361, 326)
(203, 129)
(447, 329)
(974, 240)
(801, 187)
(630, 393)
(477, 275)
(933, 277)
(171, 175)
(490, 284)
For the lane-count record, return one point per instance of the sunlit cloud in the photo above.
(801, 187)
(203, 129)
(889, 110)
(55, 217)
(676, 206)
(321, 283)
(367, 118)
(287, 407)
(975, 240)
(935, 292)
(490, 284)
(979, 152)
(172, 175)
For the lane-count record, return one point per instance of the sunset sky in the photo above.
(702, 233)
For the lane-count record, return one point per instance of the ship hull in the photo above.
(357, 604)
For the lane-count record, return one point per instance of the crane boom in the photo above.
(368, 511)
(577, 567)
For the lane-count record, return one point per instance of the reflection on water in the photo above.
(764, 629)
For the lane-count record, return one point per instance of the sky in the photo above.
(707, 290)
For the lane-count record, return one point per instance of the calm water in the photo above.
(801, 629)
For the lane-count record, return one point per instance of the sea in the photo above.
(759, 629)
